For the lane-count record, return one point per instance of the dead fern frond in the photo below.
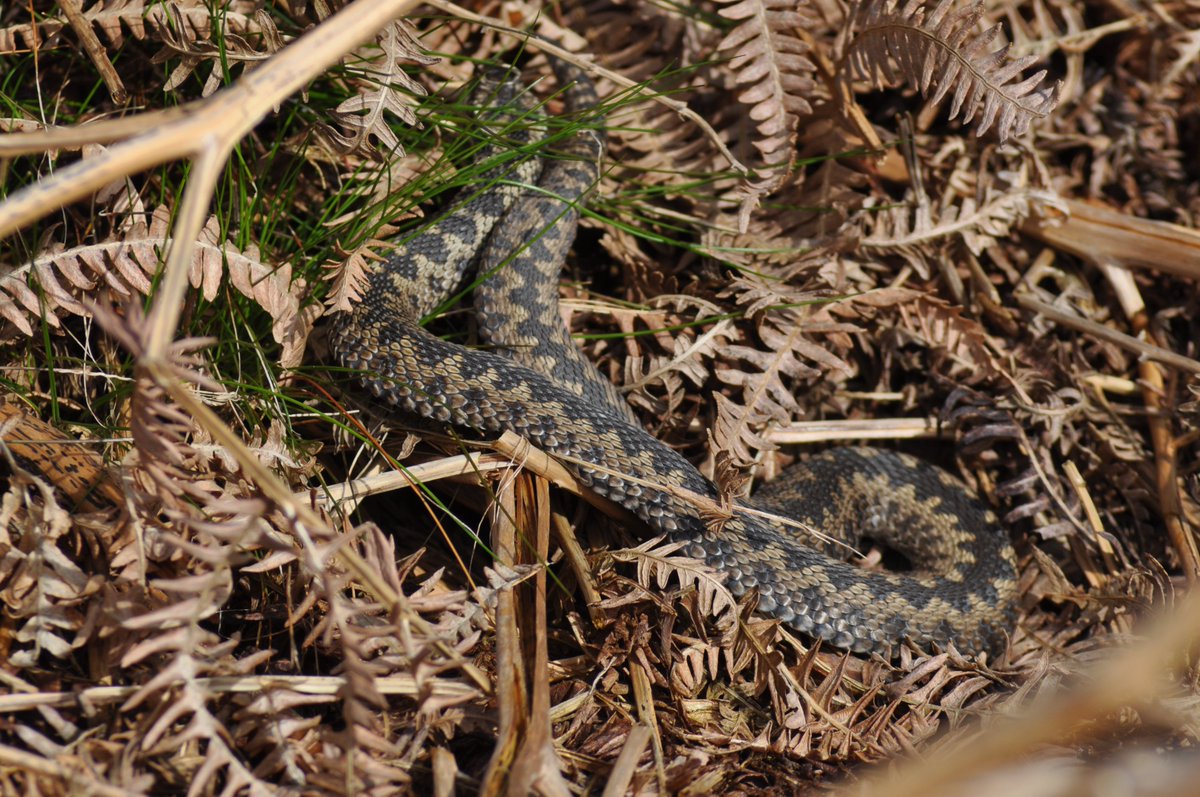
(769, 63)
(387, 89)
(906, 229)
(657, 146)
(688, 351)
(183, 657)
(954, 334)
(271, 287)
(116, 268)
(184, 509)
(658, 562)
(938, 51)
(192, 46)
(762, 374)
(44, 591)
(114, 19)
(349, 277)
(123, 266)
(160, 429)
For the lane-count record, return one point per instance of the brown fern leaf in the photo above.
(909, 230)
(769, 63)
(113, 19)
(349, 277)
(118, 268)
(190, 44)
(160, 429)
(270, 287)
(651, 142)
(182, 659)
(658, 146)
(937, 50)
(45, 592)
(123, 266)
(1186, 45)
(688, 350)
(778, 243)
(365, 114)
(658, 562)
(942, 327)
(788, 353)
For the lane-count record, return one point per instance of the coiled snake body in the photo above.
(962, 586)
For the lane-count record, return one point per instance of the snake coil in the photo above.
(516, 229)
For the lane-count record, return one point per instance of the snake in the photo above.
(512, 227)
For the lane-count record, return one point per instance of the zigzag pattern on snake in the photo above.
(516, 229)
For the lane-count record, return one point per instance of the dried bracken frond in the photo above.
(373, 183)
(171, 488)
(112, 19)
(44, 591)
(961, 340)
(667, 151)
(1187, 48)
(161, 430)
(123, 266)
(209, 518)
(190, 47)
(688, 351)
(119, 267)
(386, 89)
(904, 229)
(938, 51)
(658, 563)
(349, 277)
(766, 378)
(271, 287)
(768, 61)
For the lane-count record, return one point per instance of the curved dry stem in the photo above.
(168, 304)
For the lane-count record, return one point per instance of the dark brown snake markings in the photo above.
(962, 587)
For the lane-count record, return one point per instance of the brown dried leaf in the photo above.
(192, 45)
(388, 89)
(112, 19)
(657, 563)
(937, 50)
(350, 277)
(765, 395)
(767, 58)
(911, 230)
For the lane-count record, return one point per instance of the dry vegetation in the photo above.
(222, 573)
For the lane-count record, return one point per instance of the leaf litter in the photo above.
(231, 638)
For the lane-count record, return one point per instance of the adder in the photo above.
(515, 226)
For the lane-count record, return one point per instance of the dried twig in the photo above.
(1089, 327)
(95, 50)
(1098, 233)
(857, 429)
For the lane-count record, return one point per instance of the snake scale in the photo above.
(515, 225)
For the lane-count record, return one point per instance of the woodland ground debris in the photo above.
(868, 214)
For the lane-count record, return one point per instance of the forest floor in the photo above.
(226, 570)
